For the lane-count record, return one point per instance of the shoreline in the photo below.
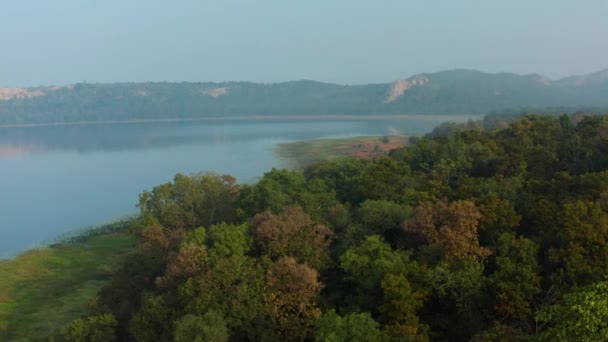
(431, 117)
(77, 235)
(82, 261)
(72, 271)
(335, 147)
(300, 154)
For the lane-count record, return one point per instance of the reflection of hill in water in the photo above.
(140, 136)
(10, 150)
(113, 137)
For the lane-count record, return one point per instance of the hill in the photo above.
(447, 92)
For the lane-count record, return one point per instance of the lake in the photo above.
(57, 179)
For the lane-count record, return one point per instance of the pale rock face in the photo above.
(544, 80)
(399, 87)
(215, 92)
(141, 92)
(19, 93)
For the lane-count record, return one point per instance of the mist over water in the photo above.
(57, 179)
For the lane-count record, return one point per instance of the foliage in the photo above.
(516, 280)
(466, 234)
(292, 289)
(292, 233)
(367, 263)
(209, 327)
(93, 328)
(153, 320)
(579, 316)
(282, 188)
(381, 216)
(359, 327)
(400, 304)
(226, 240)
(233, 286)
(452, 227)
(188, 202)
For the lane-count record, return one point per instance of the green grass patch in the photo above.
(302, 154)
(43, 289)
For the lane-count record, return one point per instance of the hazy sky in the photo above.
(67, 41)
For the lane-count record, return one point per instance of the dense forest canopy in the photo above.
(465, 92)
(466, 234)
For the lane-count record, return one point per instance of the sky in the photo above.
(63, 42)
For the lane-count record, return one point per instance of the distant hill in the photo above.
(447, 92)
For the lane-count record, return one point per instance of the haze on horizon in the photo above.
(349, 42)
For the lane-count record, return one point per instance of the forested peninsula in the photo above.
(452, 92)
(465, 234)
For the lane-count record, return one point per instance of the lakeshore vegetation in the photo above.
(303, 154)
(465, 234)
(44, 289)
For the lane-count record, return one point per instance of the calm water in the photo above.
(54, 180)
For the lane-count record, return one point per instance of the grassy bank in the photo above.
(305, 153)
(43, 289)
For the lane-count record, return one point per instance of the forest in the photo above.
(466, 234)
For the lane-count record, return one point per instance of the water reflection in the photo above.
(16, 151)
(123, 137)
(57, 179)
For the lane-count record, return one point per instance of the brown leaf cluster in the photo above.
(451, 226)
(190, 260)
(291, 294)
(293, 233)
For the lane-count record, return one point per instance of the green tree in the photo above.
(227, 239)
(497, 216)
(381, 216)
(274, 191)
(190, 202)
(357, 327)
(367, 263)
(153, 321)
(460, 301)
(197, 236)
(400, 306)
(499, 332)
(341, 176)
(282, 188)
(386, 179)
(234, 286)
(122, 295)
(583, 248)
(579, 316)
(99, 328)
(209, 327)
(516, 279)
